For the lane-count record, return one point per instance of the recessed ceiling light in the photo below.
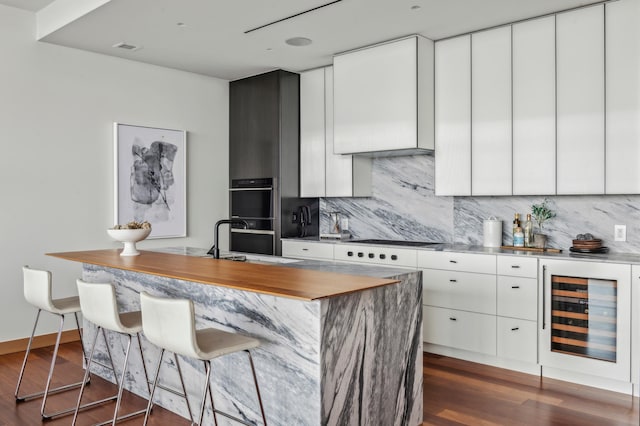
(298, 41)
(127, 46)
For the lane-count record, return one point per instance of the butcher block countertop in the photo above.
(272, 279)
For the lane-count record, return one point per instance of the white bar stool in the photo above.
(99, 305)
(170, 325)
(37, 291)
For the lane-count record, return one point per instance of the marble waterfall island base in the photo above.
(341, 347)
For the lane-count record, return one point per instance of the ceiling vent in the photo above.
(126, 46)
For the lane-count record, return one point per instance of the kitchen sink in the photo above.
(258, 259)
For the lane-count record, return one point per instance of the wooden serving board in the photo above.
(536, 249)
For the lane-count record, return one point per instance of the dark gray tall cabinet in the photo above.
(264, 139)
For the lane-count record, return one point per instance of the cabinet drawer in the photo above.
(518, 297)
(459, 290)
(466, 262)
(518, 266)
(517, 339)
(459, 329)
(307, 250)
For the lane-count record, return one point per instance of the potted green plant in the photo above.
(541, 213)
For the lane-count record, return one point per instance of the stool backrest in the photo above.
(99, 305)
(37, 288)
(169, 324)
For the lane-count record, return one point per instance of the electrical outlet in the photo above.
(620, 232)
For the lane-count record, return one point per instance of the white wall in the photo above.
(57, 108)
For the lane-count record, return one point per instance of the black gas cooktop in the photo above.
(396, 242)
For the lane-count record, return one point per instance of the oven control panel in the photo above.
(381, 255)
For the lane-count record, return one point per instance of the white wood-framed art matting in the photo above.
(151, 178)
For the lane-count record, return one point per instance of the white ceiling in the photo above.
(213, 40)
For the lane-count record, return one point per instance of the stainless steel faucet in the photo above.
(215, 250)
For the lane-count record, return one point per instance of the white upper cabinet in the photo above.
(491, 112)
(534, 107)
(384, 97)
(623, 97)
(580, 101)
(453, 116)
(312, 133)
(323, 173)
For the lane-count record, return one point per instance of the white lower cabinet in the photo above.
(460, 329)
(460, 290)
(517, 297)
(635, 324)
(307, 250)
(481, 303)
(517, 339)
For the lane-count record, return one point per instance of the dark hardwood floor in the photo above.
(455, 393)
(68, 369)
(463, 393)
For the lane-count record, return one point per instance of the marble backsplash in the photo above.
(404, 206)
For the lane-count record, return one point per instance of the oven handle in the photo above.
(266, 188)
(253, 231)
(544, 296)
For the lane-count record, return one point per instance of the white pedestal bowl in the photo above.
(129, 237)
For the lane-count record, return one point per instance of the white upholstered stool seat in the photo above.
(170, 325)
(212, 343)
(99, 306)
(66, 305)
(38, 292)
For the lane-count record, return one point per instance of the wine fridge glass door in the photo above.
(586, 317)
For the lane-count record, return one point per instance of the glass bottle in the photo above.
(518, 237)
(516, 224)
(528, 232)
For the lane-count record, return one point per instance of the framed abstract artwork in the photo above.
(151, 178)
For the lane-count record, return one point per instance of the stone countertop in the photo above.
(630, 258)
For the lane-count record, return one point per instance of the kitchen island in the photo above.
(341, 343)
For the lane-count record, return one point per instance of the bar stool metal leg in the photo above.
(155, 384)
(119, 383)
(184, 389)
(207, 367)
(48, 390)
(255, 381)
(84, 382)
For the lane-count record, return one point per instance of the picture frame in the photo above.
(150, 170)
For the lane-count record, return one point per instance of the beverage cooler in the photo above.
(586, 317)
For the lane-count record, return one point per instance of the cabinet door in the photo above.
(461, 262)
(518, 297)
(580, 103)
(254, 127)
(339, 168)
(517, 339)
(534, 107)
(376, 98)
(312, 133)
(307, 250)
(623, 97)
(459, 290)
(453, 116)
(491, 112)
(459, 329)
(635, 324)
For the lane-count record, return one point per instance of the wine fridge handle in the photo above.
(544, 296)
